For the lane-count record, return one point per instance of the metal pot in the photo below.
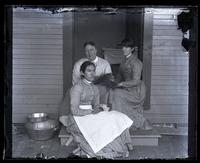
(37, 117)
(40, 127)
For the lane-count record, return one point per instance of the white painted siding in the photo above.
(170, 63)
(37, 63)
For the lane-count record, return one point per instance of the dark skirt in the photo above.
(130, 102)
(116, 148)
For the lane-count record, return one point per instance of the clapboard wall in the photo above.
(37, 63)
(170, 63)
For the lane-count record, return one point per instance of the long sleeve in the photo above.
(75, 94)
(136, 75)
(96, 100)
(119, 76)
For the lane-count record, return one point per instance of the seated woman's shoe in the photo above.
(77, 151)
(147, 125)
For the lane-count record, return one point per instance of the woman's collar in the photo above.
(86, 81)
(128, 55)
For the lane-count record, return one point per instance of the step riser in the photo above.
(145, 141)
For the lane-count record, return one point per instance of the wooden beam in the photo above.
(147, 55)
(67, 50)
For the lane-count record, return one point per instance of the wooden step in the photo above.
(144, 137)
(139, 137)
(172, 131)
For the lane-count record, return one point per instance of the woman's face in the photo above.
(89, 73)
(90, 52)
(127, 50)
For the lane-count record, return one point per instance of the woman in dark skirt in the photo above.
(84, 102)
(129, 97)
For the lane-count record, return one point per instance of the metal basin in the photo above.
(39, 127)
(37, 117)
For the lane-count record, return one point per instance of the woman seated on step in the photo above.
(129, 97)
(98, 131)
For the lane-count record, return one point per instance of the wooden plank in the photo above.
(144, 141)
(166, 10)
(171, 92)
(37, 81)
(38, 61)
(169, 53)
(33, 25)
(38, 36)
(177, 38)
(33, 96)
(50, 20)
(144, 133)
(38, 91)
(172, 87)
(35, 100)
(37, 56)
(172, 131)
(169, 73)
(38, 76)
(167, 16)
(166, 42)
(171, 61)
(37, 71)
(169, 100)
(170, 82)
(166, 118)
(38, 86)
(169, 27)
(35, 14)
(170, 68)
(165, 57)
(168, 108)
(164, 22)
(180, 48)
(178, 77)
(37, 51)
(68, 49)
(147, 54)
(37, 46)
(37, 31)
(36, 41)
(166, 32)
(33, 66)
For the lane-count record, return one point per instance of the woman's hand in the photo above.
(120, 84)
(97, 110)
(104, 107)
